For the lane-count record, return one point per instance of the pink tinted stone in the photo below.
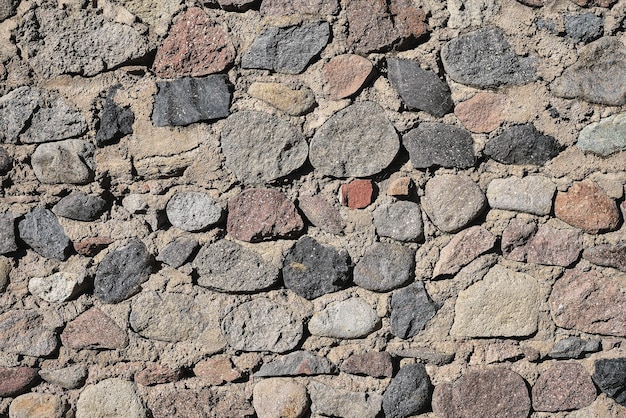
(588, 207)
(463, 249)
(400, 187)
(217, 371)
(548, 246)
(344, 75)
(157, 374)
(89, 247)
(607, 255)
(357, 194)
(563, 387)
(482, 113)
(15, 380)
(93, 329)
(321, 213)
(369, 364)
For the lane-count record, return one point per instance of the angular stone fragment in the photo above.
(321, 213)
(465, 247)
(411, 309)
(54, 120)
(610, 376)
(584, 27)
(311, 269)
(70, 377)
(607, 255)
(484, 59)
(588, 78)
(37, 405)
(357, 194)
(5, 269)
(276, 398)
(419, 89)
(16, 380)
(522, 144)
(482, 113)
(193, 211)
(334, 402)
(400, 187)
(351, 318)
(357, 141)
(303, 7)
(486, 393)
(177, 252)
(439, 144)
(23, 332)
(369, 364)
(408, 393)
(94, 330)
(262, 214)
(504, 304)
(573, 347)
(110, 397)
(115, 121)
(453, 201)
(293, 102)
(548, 246)
(298, 363)
(564, 386)
(287, 50)
(605, 137)
(532, 194)
(70, 161)
(7, 238)
(384, 267)
(227, 266)
(216, 371)
(157, 374)
(41, 231)
(55, 288)
(16, 109)
(121, 272)
(80, 207)
(188, 100)
(195, 46)
(262, 325)
(587, 206)
(260, 148)
(589, 302)
(345, 75)
(89, 247)
(400, 220)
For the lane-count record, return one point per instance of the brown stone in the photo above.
(89, 247)
(37, 405)
(344, 75)
(357, 194)
(369, 364)
(486, 393)
(517, 234)
(293, 102)
(93, 329)
(563, 387)
(302, 7)
(607, 255)
(262, 214)
(217, 371)
(23, 332)
(466, 246)
(157, 374)
(400, 187)
(321, 213)
(482, 113)
(588, 207)
(549, 246)
(195, 46)
(181, 402)
(16, 380)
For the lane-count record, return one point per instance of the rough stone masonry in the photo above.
(312, 208)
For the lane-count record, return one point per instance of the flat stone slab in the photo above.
(605, 137)
(531, 194)
(298, 363)
(24, 332)
(93, 329)
(375, 364)
(333, 402)
(546, 245)
(438, 144)
(607, 255)
(351, 318)
(288, 7)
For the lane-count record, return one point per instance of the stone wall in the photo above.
(347, 208)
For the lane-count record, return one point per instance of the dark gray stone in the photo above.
(55, 120)
(411, 309)
(7, 8)
(16, 109)
(585, 27)
(419, 89)
(121, 272)
(573, 347)
(7, 237)
(298, 363)
(311, 269)
(484, 59)
(188, 100)
(41, 231)
(522, 144)
(610, 376)
(384, 267)
(288, 49)
(177, 252)
(408, 392)
(115, 121)
(6, 162)
(439, 144)
(80, 207)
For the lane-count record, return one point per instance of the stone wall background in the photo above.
(313, 208)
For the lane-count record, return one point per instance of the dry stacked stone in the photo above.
(313, 208)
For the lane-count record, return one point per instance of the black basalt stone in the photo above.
(439, 144)
(522, 144)
(115, 121)
(41, 231)
(610, 376)
(408, 393)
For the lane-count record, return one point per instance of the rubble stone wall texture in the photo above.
(341, 208)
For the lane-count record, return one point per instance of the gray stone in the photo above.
(607, 255)
(7, 8)
(41, 231)
(334, 402)
(260, 147)
(298, 363)
(400, 220)
(262, 325)
(188, 100)
(55, 288)
(408, 392)
(77, 41)
(80, 207)
(357, 141)
(230, 267)
(115, 121)
(464, 248)
(322, 213)
(287, 50)
(351, 318)
(610, 376)
(193, 211)
(588, 78)
(453, 201)
(70, 161)
(277, 398)
(177, 252)
(6, 161)
(532, 194)
(110, 398)
(54, 120)
(522, 144)
(419, 89)
(484, 59)
(411, 309)
(311, 269)
(438, 144)
(134, 203)
(16, 109)
(584, 27)
(5, 270)
(605, 137)
(384, 267)
(122, 271)
(70, 377)
(573, 348)
(7, 238)
(24, 332)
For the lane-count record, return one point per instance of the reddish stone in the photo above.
(400, 187)
(262, 214)
(369, 364)
(217, 371)
(321, 213)
(516, 235)
(301, 7)
(607, 255)
(549, 246)
(357, 194)
(588, 207)
(89, 247)
(589, 302)
(191, 403)
(16, 380)
(93, 329)
(157, 374)
(463, 249)
(482, 113)
(563, 387)
(195, 46)
(344, 75)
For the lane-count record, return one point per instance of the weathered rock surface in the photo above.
(89, 247)
(7, 238)
(216, 371)
(55, 288)
(563, 387)
(351, 318)
(605, 137)
(465, 247)
(7, 9)
(177, 252)
(573, 348)
(384, 267)
(70, 161)
(358, 194)
(331, 401)
(295, 102)
(375, 364)
(41, 231)
(94, 330)
(408, 392)
(344, 75)
(306, 7)
(438, 144)
(193, 211)
(610, 375)
(587, 206)
(522, 144)
(482, 113)
(110, 397)
(16, 109)
(411, 309)
(321, 213)
(400, 220)
(37, 405)
(206, 402)
(584, 27)
(531, 194)
(157, 374)
(115, 121)
(298, 363)
(24, 332)
(16, 380)
(6, 162)
(279, 397)
(54, 120)
(607, 255)
(548, 246)
(70, 377)
(80, 207)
